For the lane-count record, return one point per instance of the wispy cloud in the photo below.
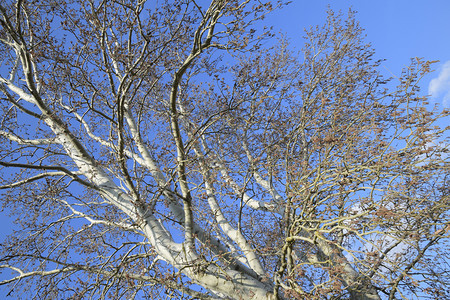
(440, 86)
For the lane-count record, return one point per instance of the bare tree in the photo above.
(175, 149)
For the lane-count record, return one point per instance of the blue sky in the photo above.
(397, 29)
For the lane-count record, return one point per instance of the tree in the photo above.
(180, 149)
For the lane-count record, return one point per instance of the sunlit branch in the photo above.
(63, 171)
(22, 141)
(34, 178)
(79, 267)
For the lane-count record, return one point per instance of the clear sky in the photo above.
(398, 30)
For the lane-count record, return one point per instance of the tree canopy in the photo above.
(181, 149)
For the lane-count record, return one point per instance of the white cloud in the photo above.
(440, 86)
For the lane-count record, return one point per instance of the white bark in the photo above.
(234, 268)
